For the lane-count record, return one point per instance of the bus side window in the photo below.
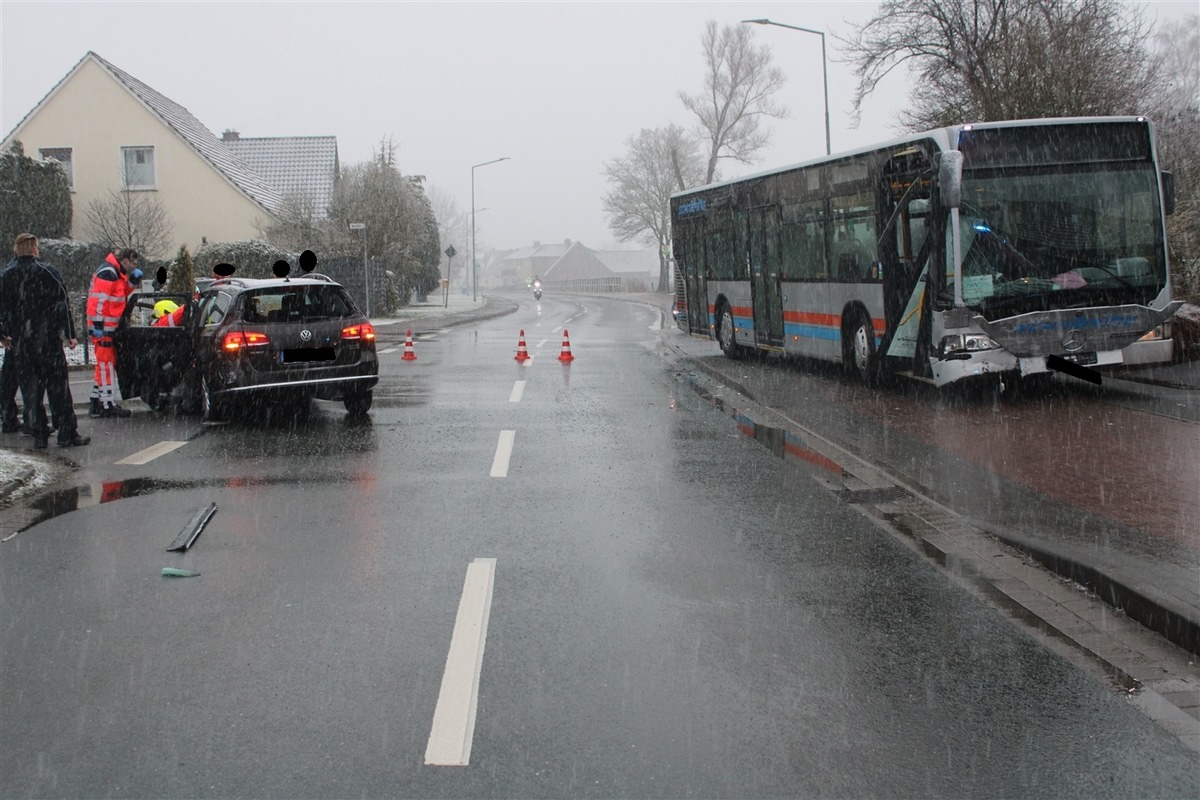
(802, 239)
(854, 243)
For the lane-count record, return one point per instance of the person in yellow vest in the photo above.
(168, 314)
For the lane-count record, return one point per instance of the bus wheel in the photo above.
(729, 347)
(858, 349)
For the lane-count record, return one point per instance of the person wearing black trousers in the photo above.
(34, 316)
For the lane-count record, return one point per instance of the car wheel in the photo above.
(725, 333)
(358, 404)
(210, 409)
(858, 348)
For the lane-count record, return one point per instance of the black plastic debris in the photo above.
(190, 531)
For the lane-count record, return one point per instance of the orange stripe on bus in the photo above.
(804, 318)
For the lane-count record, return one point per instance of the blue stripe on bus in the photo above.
(813, 332)
(745, 327)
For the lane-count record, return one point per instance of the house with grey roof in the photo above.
(114, 133)
(303, 167)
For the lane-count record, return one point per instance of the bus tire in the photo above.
(858, 347)
(725, 333)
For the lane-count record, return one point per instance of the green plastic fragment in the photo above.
(173, 572)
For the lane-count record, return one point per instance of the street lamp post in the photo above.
(362, 226)
(474, 268)
(824, 67)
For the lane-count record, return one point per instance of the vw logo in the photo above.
(306, 336)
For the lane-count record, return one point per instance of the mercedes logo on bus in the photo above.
(1074, 342)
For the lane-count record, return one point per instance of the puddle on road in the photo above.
(64, 501)
(782, 443)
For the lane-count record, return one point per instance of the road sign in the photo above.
(451, 252)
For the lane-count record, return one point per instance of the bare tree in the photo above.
(454, 226)
(657, 163)
(1005, 59)
(739, 85)
(296, 226)
(130, 219)
(1175, 108)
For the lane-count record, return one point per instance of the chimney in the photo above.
(536, 243)
(230, 135)
(567, 242)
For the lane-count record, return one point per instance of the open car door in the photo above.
(152, 359)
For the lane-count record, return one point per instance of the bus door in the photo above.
(763, 246)
(691, 266)
(904, 251)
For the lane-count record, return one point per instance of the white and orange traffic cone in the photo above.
(565, 356)
(409, 354)
(522, 353)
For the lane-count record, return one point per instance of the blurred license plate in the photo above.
(307, 354)
(1082, 359)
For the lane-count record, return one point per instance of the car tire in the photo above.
(358, 403)
(210, 409)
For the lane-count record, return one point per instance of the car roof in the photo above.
(314, 279)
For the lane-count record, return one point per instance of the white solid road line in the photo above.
(389, 350)
(454, 717)
(151, 453)
(517, 391)
(504, 449)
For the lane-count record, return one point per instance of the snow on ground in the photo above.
(33, 471)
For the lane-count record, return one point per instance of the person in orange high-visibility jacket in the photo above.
(111, 286)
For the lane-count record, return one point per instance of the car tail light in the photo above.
(365, 332)
(238, 340)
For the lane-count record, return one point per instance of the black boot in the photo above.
(115, 410)
(95, 409)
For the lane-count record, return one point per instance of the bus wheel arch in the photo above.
(859, 356)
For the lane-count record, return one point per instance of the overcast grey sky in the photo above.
(558, 87)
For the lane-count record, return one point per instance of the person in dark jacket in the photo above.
(8, 387)
(35, 314)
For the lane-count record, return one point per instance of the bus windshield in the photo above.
(1061, 238)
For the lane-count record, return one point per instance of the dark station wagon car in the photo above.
(247, 340)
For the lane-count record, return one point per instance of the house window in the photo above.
(138, 167)
(63, 156)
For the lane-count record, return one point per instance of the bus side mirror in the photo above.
(950, 167)
(1168, 189)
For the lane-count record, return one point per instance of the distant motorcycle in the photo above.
(537, 291)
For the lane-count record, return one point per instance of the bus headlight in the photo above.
(1161, 332)
(961, 345)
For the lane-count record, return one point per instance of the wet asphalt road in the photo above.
(675, 610)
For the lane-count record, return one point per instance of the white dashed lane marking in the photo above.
(151, 453)
(454, 716)
(504, 449)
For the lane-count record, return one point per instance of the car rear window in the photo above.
(297, 304)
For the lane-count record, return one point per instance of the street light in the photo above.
(474, 269)
(824, 66)
(362, 226)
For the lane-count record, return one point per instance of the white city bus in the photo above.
(1009, 247)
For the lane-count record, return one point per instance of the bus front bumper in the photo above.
(992, 362)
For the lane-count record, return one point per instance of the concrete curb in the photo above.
(1174, 625)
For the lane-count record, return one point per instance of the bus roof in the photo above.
(945, 138)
